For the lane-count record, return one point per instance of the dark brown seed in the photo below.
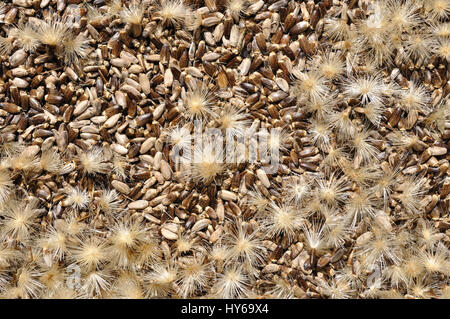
(277, 96)
(309, 166)
(143, 119)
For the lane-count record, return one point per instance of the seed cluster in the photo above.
(96, 96)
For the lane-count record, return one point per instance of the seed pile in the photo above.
(95, 96)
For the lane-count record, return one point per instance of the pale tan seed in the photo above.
(112, 121)
(437, 150)
(159, 111)
(121, 187)
(147, 145)
(157, 161)
(119, 149)
(138, 205)
(168, 234)
(145, 83)
(165, 170)
(364, 238)
(262, 176)
(81, 107)
(227, 195)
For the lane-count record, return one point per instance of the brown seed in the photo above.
(54, 99)
(261, 42)
(222, 79)
(309, 166)
(277, 5)
(200, 225)
(10, 107)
